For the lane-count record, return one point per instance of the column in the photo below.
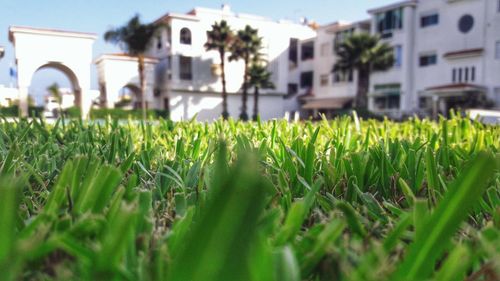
(435, 107)
(23, 101)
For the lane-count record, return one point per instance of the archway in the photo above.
(118, 72)
(66, 80)
(129, 97)
(68, 52)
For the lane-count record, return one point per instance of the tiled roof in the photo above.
(464, 53)
(457, 86)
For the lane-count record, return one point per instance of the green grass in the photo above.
(346, 199)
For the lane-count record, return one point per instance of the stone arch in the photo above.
(73, 79)
(135, 98)
(116, 71)
(66, 51)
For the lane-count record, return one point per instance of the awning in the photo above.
(330, 103)
(464, 53)
(454, 90)
(384, 94)
(386, 90)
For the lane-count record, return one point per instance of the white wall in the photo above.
(8, 95)
(35, 48)
(276, 37)
(208, 106)
(445, 37)
(492, 64)
(116, 72)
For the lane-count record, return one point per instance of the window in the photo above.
(427, 60)
(497, 95)
(429, 20)
(293, 52)
(389, 21)
(387, 96)
(343, 76)
(398, 55)
(497, 49)
(186, 36)
(325, 49)
(341, 37)
(158, 43)
(186, 68)
(324, 80)
(307, 50)
(424, 102)
(293, 88)
(466, 23)
(464, 74)
(306, 79)
(387, 102)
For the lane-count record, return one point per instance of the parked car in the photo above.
(51, 109)
(490, 117)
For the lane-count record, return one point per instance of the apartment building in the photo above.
(188, 77)
(331, 90)
(447, 54)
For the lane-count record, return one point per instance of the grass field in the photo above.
(335, 200)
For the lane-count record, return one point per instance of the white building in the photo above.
(331, 90)
(188, 78)
(447, 52)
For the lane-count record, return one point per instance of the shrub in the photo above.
(117, 113)
(9, 111)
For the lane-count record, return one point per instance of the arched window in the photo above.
(185, 36)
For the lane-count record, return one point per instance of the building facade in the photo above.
(331, 90)
(188, 77)
(119, 84)
(447, 55)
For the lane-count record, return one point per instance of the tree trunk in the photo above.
(225, 114)
(244, 115)
(143, 85)
(255, 104)
(363, 87)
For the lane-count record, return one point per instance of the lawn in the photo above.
(345, 199)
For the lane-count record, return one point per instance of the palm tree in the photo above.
(220, 39)
(366, 54)
(134, 37)
(246, 46)
(260, 78)
(56, 94)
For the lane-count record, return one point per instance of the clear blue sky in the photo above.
(97, 16)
